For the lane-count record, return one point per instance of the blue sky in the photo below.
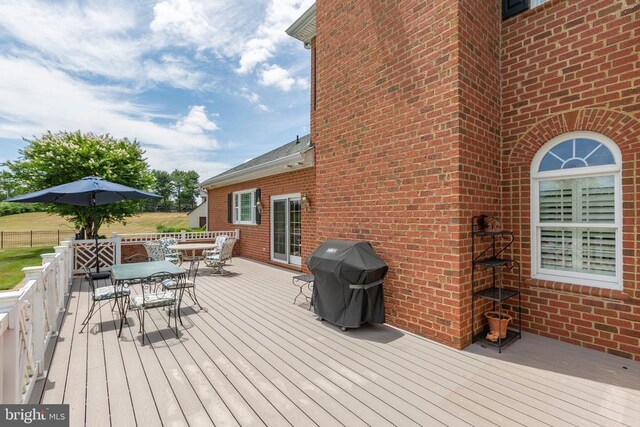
(202, 84)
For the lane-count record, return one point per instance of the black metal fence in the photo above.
(26, 239)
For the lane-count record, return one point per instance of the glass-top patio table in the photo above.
(139, 270)
(136, 272)
(193, 247)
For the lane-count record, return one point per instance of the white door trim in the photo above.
(291, 260)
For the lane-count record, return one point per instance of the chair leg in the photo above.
(85, 322)
(193, 297)
(178, 317)
(123, 315)
(142, 325)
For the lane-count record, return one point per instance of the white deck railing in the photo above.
(28, 319)
(181, 236)
(29, 316)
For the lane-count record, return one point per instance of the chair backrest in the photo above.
(87, 275)
(220, 242)
(192, 273)
(227, 249)
(165, 243)
(154, 295)
(154, 251)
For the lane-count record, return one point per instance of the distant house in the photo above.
(198, 216)
(263, 197)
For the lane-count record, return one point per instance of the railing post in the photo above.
(11, 375)
(31, 241)
(37, 316)
(50, 289)
(69, 255)
(61, 282)
(117, 248)
(183, 235)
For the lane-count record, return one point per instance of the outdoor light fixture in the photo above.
(259, 207)
(304, 202)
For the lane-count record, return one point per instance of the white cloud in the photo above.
(169, 160)
(34, 99)
(230, 29)
(274, 75)
(254, 99)
(175, 71)
(94, 65)
(214, 25)
(271, 32)
(196, 122)
(95, 37)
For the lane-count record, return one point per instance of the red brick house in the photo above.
(427, 113)
(268, 199)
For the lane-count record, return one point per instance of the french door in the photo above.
(286, 229)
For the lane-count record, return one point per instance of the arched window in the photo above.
(576, 211)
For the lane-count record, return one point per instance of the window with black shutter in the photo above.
(230, 208)
(513, 7)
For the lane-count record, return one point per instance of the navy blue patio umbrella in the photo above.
(90, 191)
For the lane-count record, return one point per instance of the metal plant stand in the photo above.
(491, 288)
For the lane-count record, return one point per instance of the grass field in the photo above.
(40, 221)
(12, 261)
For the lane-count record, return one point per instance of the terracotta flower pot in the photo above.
(498, 322)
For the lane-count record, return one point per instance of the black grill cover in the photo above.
(348, 283)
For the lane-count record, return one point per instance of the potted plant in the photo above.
(498, 323)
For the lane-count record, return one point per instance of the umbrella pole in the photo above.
(95, 231)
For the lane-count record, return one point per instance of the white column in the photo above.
(62, 279)
(37, 316)
(11, 374)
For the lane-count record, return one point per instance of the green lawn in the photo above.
(143, 223)
(13, 260)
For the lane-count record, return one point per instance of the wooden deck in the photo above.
(251, 357)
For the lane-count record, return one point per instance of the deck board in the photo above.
(502, 387)
(75, 389)
(251, 357)
(404, 379)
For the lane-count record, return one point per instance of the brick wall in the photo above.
(567, 66)
(386, 129)
(255, 239)
(479, 141)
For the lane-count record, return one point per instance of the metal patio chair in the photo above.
(219, 260)
(154, 251)
(219, 244)
(153, 296)
(170, 254)
(189, 283)
(101, 294)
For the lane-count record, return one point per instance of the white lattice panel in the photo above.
(86, 254)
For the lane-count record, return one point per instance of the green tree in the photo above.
(55, 159)
(163, 186)
(186, 188)
(9, 186)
